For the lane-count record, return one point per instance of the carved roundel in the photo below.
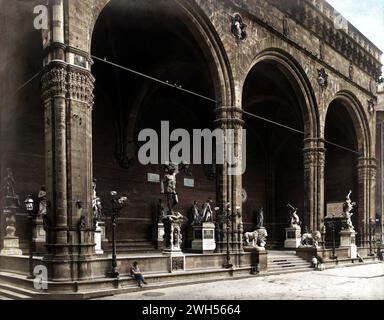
(244, 195)
(238, 27)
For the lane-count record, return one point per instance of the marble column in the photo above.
(229, 184)
(366, 179)
(314, 165)
(67, 95)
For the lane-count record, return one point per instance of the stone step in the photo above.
(12, 295)
(285, 265)
(286, 271)
(17, 289)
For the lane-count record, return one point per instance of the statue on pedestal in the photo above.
(172, 220)
(256, 239)
(293, 231)
(207, 213)
(347, 212)
(311, 239)
(11, 205)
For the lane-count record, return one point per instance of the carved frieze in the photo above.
(58, 81)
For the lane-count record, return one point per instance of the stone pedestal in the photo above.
(11, 242)
(173, 237)
(204, 238)
(104, 239)
(160, 236)
(293, 237)
(348, 240)
(176, 261)
(258, 257)
(39, 236)
(98, 239)
(11, 247)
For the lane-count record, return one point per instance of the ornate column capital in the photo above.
(53, 82)
(366, 169)
(80, 85)
(229, 117)
(314, 152)
(64, 81)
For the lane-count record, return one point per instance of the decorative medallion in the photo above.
(238, 27)
(322, 78)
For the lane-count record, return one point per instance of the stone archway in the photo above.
(346, 125)
(167, 45)
(277, 89)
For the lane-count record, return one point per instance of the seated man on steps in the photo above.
(137, 275)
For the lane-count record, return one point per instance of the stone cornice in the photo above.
(265, 24)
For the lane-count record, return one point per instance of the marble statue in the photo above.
(196, 216)
(42, 200)
(311, 239)
(96, 203)
(293, 216)
(260, 219)
(257, 238)
(9, 184)
(168, 186)
(207, 214)
(347, 211)
(238, 27)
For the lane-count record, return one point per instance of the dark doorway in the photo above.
(155, 38)
(275, 174)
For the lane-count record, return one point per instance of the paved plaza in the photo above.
(364, 282)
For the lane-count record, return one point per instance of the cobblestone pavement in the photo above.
(361, 282)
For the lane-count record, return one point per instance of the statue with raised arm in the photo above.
(293, 216)
(96, 203)
(207, 213)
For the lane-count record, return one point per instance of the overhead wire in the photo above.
(179, 87)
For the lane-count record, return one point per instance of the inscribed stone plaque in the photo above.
(335, 209)
(153, 177)
(208, 234)
(189, 182)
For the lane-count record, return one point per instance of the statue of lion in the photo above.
(311, 239)
(257, 238)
